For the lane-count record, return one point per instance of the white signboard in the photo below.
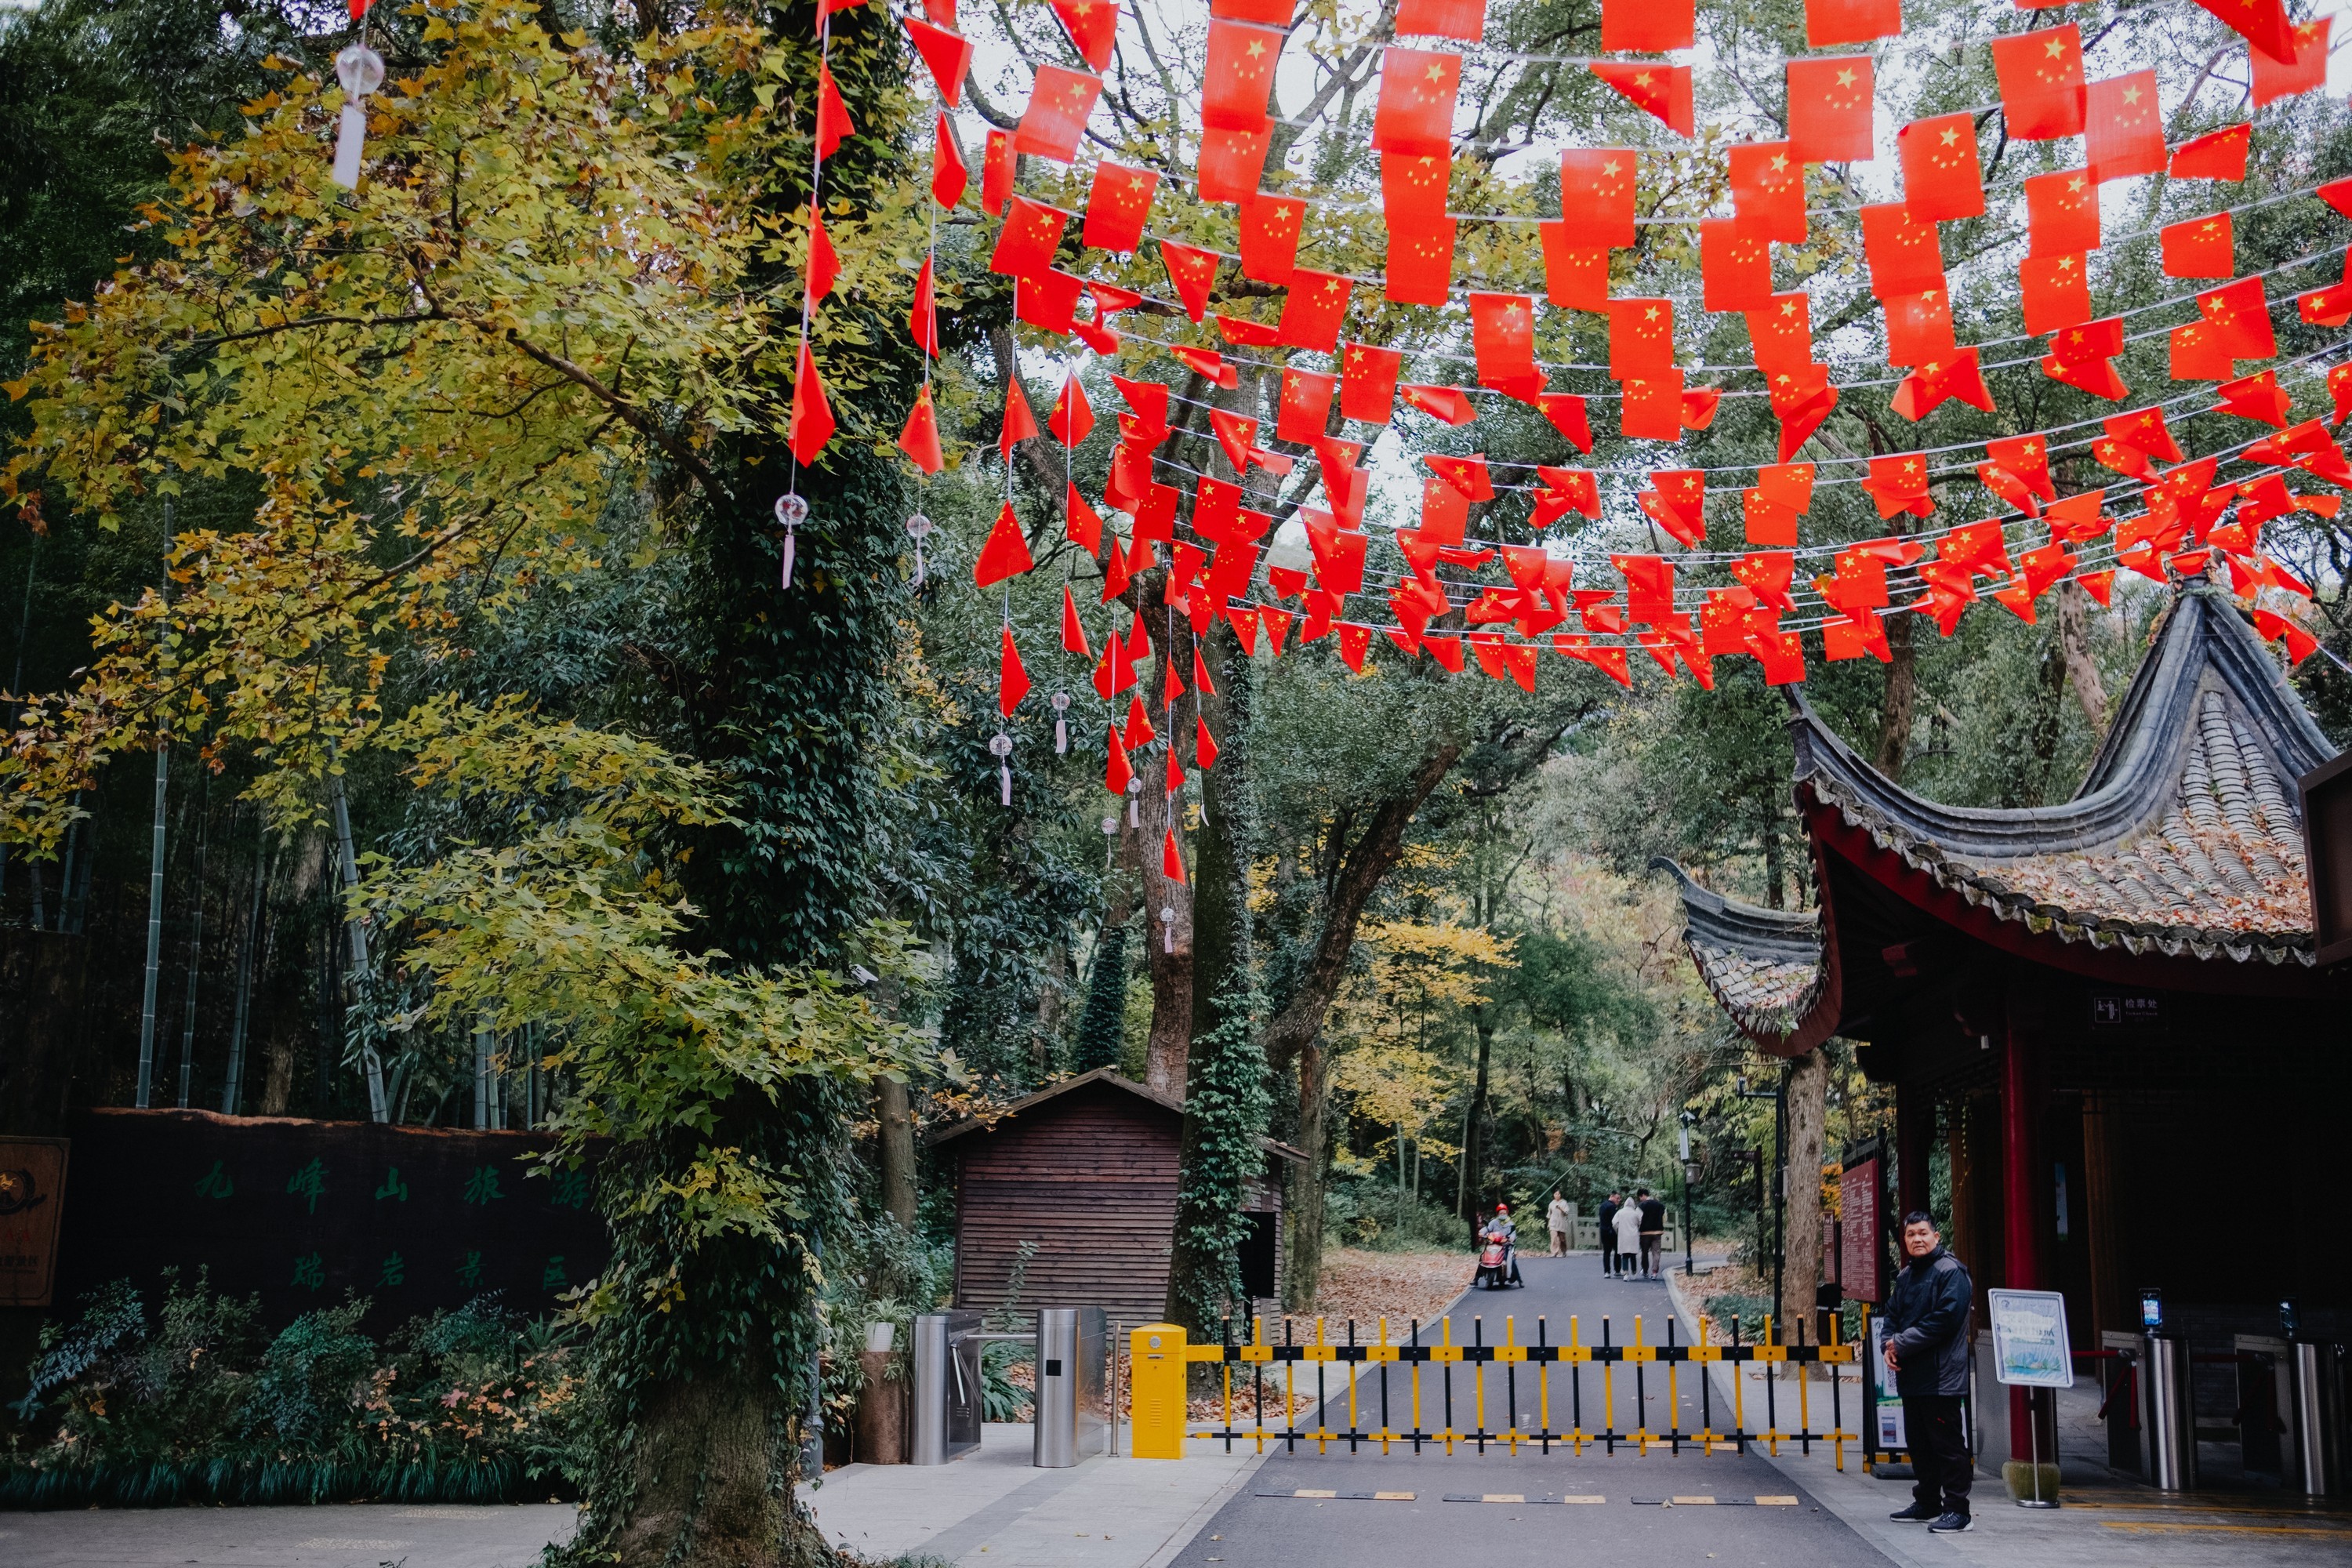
(1885, 1403)
(2029, 1339)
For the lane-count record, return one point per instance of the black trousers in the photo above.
(1939, 1452)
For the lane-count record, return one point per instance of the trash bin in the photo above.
(2170, 1414)
(1071, 1346)
(946, 1387)
(2317, 1373)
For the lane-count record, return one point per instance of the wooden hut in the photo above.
(1086, 1170)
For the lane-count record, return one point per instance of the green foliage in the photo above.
(1380, 1216)
(1102, 1023)
(1225, 1109)
(199, 1406)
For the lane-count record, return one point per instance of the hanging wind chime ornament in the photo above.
(361, 71)
(1061, 701)
(1167, 928)
(918, 528)
(791, 512)
(1134, 794)
(1000, 746)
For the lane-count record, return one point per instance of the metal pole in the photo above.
(154, 932)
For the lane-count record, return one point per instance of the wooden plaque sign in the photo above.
(32, 1197)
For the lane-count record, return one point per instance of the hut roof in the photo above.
(1106, 1076)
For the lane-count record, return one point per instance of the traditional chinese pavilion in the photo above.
(2108, 1015)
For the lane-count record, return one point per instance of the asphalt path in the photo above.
(1510, 1503)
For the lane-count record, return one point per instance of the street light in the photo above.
(1690, 1175)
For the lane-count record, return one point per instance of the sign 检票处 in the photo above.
(2030, 1348)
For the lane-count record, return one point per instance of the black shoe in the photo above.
(1952, 1524)
(1918, 1513)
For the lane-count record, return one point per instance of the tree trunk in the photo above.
(1167, 944)
(1302, 1274)
(1808, 1093)
(895, 1112)
(709, 1476)
(2074, 640)
(1902, 695)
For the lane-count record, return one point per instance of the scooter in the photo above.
(1498, 1266)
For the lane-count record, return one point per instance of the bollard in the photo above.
(1155, 1383)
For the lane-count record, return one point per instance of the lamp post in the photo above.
(1690, 1175)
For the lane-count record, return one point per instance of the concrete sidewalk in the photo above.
(992, 1507)
(330, 1535)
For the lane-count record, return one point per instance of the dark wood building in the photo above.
(2108, 1015)
(1086, 1170)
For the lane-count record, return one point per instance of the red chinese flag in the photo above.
(948, 176)
(1736, 272)
(949, 56)
(1047, 300)
(2242, 315)
(1092, 25)
(1413, 190)
(1647, 27)
(1267, 13)
(1231, 162)
(1502, 336)
(1269, 236)
(833, 121)
(1653, 407)
(1019, 424)
(1919, 328)
(1662, 90)
(2089, 342)
(1766, 521)
(1031, 233)
(1640, 338)
(1576, 277)
(1415, 113)
(1172, 860)
(2041, 77)
(920, 438)
(2123, 133)
(1240, 76)
(1905, 256)
(1117, 206)
(1191, 273)
(1768, 191)
(1082, 525)
(1006, 553)
(812, 423)
(2143, 430)
(1012, 678)
(1829, 109)
(1072, 417)
(2056, 292)
(1942, 179)
(996, 172)
(2061, 213)
(1782, 332)
(1059, 103)
(1368, 383)
(2200, 247)
(1314, 309)
(2259, 397)
(1443, 19)
(922, 316)
(2216, 155)
(1564, 411)
(1419, 265)
(2025, 458)
(1596, 185)
(1829, 23)
(2273, 80)
(1305, 411)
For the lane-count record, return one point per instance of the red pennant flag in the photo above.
(2056, 292)
(1117, 206)
(2061, 213)
(1243, 332)
(1699, 406)
(1566, 490)
(2261, 23)
(833, 121)
(1942, 179)
(947, 54)
(2216, 155)
(1502, 336)
(1205, 745)
(2242, 315)
(1855, 635)
(1209, 365)
(1678, 504)
(1266, 12)
(1071, 416)
(1240, 64)
(2259, 397)
(2200, 247)
(1093, 27)
(1074, 630)
(1829, 23)
(1647, 27)
(1766, 521)
(922, 315)
(1828, 109)
(2123, 133)
(1314, 309)
(1576, 277)
(1303, 414)
(1927, 388)
(1446, 18)
(1080, 524)
(1564, 411)
(1919, 328)
(1269, 236)
(1899, 483)
(1006, 553)
(1782, 334)
(2098, 378)
(1735, 273)
(1641, 337)
(1048, 301)
(1905, 254)
(1767, 574)
(1031, 233)
(2300, 644)
(1801, 400)
(2273, 80)
(948, 176)
(1768, 191)
(1467, 474)
(1596, 183)
(996, 172)
(1059, 103)
(1447, 405)
(920, 438)
(1368, 383)
(1116, 773)
(943, 13)
(1415, 113)
(1788, 484)
(1172, 860)
(1191, 272)
(1012, 678)
(1235, 435)
(2325, 307)
(812, 423)
(1231, 162)
(1662, 90)
(2025, 461)
(1019, 425)
(1413, 188)
(2041, 77)
(2089, 342)
(2143, 430)
(1420, 265)
(1353, 642)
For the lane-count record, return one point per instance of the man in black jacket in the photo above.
(1926, 1323)
(1654, 1234)
(1609, 1233)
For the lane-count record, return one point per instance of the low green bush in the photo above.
(194, 1403)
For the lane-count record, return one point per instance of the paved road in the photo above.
(1269, 1526)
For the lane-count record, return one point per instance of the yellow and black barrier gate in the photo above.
(1368, 1387)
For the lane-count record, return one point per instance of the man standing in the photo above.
(1927, 1316)
(1562, 1218)
(1654, 1236)
(1609, 1232)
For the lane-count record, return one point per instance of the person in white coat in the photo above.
(1629, 1240)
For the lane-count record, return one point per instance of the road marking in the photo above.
(1584, 1500)
(1776, 1502)
(1391, 1497)
(2171, 1527)
(1306, 1492)
(1695, 1501)
(1504, 1496)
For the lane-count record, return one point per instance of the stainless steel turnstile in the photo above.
(2171, 1415)
(2316, 1373)
(946, 1387)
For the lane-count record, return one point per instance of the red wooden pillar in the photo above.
(2023, 1255)
(1915, 1139)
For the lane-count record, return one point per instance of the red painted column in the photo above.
(2023, 1187)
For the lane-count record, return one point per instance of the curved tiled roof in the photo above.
(1762, 966)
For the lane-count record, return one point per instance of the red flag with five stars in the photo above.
(2056, 292)
(2061, 213)
(1447, 405)
(1415, 113)
(1647, 27)
(1768, 191)
(1420, 265)
(949, 56)
(1925, 389)
(2216, 155)
(1942, 179)
(1071, 417)
(1905, 256)
(1919, 327)
(2242, 315)
(1059, 102)
(1019, 425)
(949, 176)
(1190, 272)
(920, 438)
(1502, 336)
(1413, 190)
(2143, 430)
(2041, 77)
(2088, 342)
(812, 423)
(2123, 133)
(1231, 162)
(1031, 233)
(1596, 183)
(2024, 458)
(1240, 76)
(1093, 27)
(2274, 79)
(1899, 483)
(2258, 397)
(1314, 309)
(833, 121)
(1303, 414)
(1801, 398)
(1641, 337)
(1782, 332)
(1829, 109)
(1368, 383)
(1269, 236)
(1011, 677)
(1576, 277)
(1006, 553)
(1829, 23)
(996, 171)
(1653, 406)
(1444, 18)
(1660, 89)
(1117, 206)
(1736, 272)
(2200, 247)
(922, 316)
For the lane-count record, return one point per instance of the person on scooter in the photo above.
(1500, 1229)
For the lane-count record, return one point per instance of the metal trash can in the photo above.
(2316, 1375)
(1072, 1343)
(946, 1387)
(2170, 1413)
